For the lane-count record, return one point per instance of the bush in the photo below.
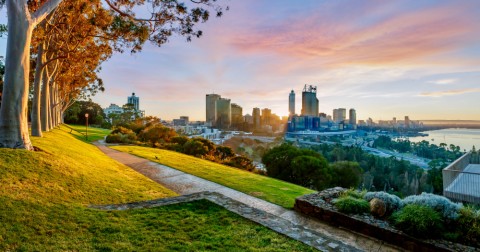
(469, 226)
(354, 193)
(444, 206)
(419, 221)
(392, 202)
(351, 205)
(114, 138)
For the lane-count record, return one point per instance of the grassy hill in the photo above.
(44, 197)
(273, 190)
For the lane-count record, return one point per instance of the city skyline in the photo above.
(385, 59)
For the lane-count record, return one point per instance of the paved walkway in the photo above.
(285, 221)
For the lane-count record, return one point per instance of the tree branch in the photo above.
(44, 10)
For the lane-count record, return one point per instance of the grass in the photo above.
(44, 194)
(269, 189)
(94, 134)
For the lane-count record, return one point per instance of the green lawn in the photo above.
(44, 197)
(269, 189)
(94, 134)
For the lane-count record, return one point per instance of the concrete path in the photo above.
(329, 238)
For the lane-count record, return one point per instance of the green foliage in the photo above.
(442, 205)
(354, 193)
(346, 174)
(299, 166)
(94, 134)
(351, 205)
(388, 174)
(76, 113)
(269, 189)
(418, 221)
(468, 226)
(241, 162)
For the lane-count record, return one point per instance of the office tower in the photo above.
(394, 121)
(291, 103)
(135, 101)
(185, 118)
(266, 116)
(224, 113)
(256, 118)
(339, 115)
(352, 117)
(407, 122)
(309, 101)
(248, 119)
(211, 112)
(237, 117)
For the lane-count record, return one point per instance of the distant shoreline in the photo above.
(468, 124)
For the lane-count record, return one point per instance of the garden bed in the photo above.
(319, 205)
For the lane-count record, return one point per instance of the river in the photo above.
(465, 138)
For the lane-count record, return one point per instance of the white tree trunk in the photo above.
(13, 113)
(36, 125)
(45, 108)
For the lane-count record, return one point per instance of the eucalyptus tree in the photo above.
(166, 18)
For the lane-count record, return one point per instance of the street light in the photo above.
(86, 126)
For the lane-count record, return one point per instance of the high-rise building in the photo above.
(339, 115)
(266, 116)
(211, 112)
(352, 117)
(291, 103)
(185, 118)
(407, 122)
(256, 118)
(224, 113)
(237, 115)
(135, 101)
(309, 101)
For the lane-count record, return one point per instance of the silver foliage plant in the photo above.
(392, 202)
(447, 208)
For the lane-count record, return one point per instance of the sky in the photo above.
(384, 58)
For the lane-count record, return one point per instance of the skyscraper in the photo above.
(135, 101)
(339, 115)
(352, 116)
(291, 103)
(256, 118)
(407, 122)
(266, 116)
(309, 101)
(237, 116)
(224, 113)
(211, 112)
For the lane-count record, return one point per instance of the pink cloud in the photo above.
(450, 92)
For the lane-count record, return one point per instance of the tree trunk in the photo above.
(36, 125)
(13, 112)
(52, 105)
(45, 108)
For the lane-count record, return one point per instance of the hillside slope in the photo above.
(44, 197)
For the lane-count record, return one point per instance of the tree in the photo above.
(346, 174)
(168, 17)
(311, 172)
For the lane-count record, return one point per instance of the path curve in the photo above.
(327, 238)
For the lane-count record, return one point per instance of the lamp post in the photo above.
(86, 126)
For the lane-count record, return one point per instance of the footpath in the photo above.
(285, 221)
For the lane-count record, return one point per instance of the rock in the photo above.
(378, 207)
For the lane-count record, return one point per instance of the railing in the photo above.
(460, 184)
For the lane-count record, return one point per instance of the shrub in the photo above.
(392, 202)
(114, 138)
(419, 221)
(469, 226)
(354, 193)
(448, 209)
(351, 205)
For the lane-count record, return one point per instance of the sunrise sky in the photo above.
(383, 58)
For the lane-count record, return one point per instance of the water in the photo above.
(465, 138)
